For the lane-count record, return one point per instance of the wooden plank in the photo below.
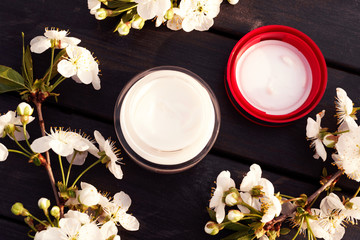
(168, 206)
(333, 25)
(238, 137)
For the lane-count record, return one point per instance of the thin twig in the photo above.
(309, 200)
(48, 163)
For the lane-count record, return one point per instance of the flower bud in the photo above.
(24, 109)
(101, 14)
(235, 215)
(124, 28)
(55, 212)
(329, 140)
(18, 209)
(233, 2)
(44, 203)
(211, 228)
(138, 22)
(231, 199)
(169, 14)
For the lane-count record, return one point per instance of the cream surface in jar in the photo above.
(168, 117)
(274, 77)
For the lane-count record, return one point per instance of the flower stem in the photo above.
(298, 231)
(250, 208)
(51, 64)
(48, 163)
(19, 152)
(286, 196)
(62, 169)
(21, 145)
(35, 218)
(68, 173)
(58, 81)
(357, 192)
(26, 139)
(87, 169)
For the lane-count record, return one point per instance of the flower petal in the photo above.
(123, 200)
(66, 68)
(61, 148)
(99, 139)
(90, 232)
(115, 169)
(108, 229)
(129, 222)
(39, 44)
(79, 158)
(3, 152)
(41, 144)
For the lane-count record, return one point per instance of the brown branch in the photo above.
(282, 218)
(48, 163)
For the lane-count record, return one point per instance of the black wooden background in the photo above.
(174, 206)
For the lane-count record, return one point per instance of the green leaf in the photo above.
(120, 4)
(240, 236)
(212, 214)
(237, 227)
(28, 66)
(285, 231)
(10, 80)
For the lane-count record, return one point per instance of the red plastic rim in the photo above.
(300, 41)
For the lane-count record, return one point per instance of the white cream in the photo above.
(274, 77)
(167, 117)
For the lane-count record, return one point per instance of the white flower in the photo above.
(258, 192)
(88, 195)
(116, 210)
(40, 235)
(3, 152)
(199, 14)
(93, 5)
(313, 133)
(109, 230)
(330, 219)
(223, 184)
(61, 142)
(55, 38)
(271, 207)
(10, 120)
(148, 9)
(109, 149)
(253, 183)
(70, 228)
(83, 218)
(80, 66)
(348, 154)
(78, 157)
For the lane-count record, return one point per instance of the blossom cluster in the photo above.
(260, 212)
(92, 216)
(255, 200)
(346, 140)
(79, 64)
(188, 15)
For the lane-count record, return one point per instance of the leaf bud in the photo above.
(18, 209)
(24, 109)
(44, 203)
(235, 215)
(211, 228)
(101, 14)
(124, 28)
(55, 212)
